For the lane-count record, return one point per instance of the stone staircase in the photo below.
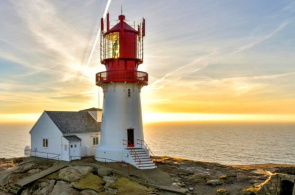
(143, 156)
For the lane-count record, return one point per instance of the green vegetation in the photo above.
(127, 187)
(91, 182)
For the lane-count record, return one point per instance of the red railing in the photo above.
(122, 76)
(146, 147)
(132, 151)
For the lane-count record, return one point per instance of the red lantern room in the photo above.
(121, 51)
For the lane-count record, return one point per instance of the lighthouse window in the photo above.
(129, 92)
(95, 141)
(112, 45)
(45, 143)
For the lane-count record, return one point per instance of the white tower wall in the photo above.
(121, 111)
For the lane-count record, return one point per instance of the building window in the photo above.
(129, 93)
(95, 141)
(45, 143)
(66, 147)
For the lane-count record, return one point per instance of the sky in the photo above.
(206, 60)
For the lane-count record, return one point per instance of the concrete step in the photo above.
(143, 156)
(147, 167)
(145, 163)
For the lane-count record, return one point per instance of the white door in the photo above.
(75, 150)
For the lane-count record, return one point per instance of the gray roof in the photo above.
(74, 122)
(72, 138)
(91, 109)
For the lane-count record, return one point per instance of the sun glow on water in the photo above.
(169, 117)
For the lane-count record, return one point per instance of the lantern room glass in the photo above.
(112, 45)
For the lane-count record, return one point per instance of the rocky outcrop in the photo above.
(277, 183)
(74, 173)
(173, 175)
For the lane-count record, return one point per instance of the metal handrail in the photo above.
(47, 153)
(132, 151)
(122, 76)
(147, 148)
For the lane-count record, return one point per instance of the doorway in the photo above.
(287, 187)
(130, 137)
(75, 150)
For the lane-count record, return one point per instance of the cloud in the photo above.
(261, 39)
(192, 63)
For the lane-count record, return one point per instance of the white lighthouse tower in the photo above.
(122, 136)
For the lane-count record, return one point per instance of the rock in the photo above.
(199, 177)
(223, 177)
(18, 160)
(191, 189)
(62, 188)
(109, 179)
(33, 171)
(43, 184)
(88, 192)
(91, 182)
(69, 174)
(74, 173)
(25, 191)
(125, 186)
(104, 171)
(84, 170)
(26, 166)
(222, 192)
(181, 184)
(214, 182)
(250, 191)
(111, 191)
(43, 191)
(5, 177)
(242, 177)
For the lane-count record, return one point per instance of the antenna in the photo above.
(121, 10)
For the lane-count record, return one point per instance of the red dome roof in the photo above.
(117, 27)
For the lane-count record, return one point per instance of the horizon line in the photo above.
(152, 117)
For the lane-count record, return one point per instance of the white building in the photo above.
(66, 135)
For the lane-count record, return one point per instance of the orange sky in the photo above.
(233, 63)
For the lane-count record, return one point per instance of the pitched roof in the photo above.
(126, 27)
(91, 109)
(74, 122)
(72, 138)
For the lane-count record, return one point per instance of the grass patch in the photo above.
(127, 187)
(91, 181)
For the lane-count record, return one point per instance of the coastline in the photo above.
(173, 175)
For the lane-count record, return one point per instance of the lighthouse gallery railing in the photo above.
(122, 76)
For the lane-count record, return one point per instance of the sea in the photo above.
(231, 143)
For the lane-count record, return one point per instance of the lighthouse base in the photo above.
(137, 157)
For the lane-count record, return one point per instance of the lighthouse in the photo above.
(121, 51)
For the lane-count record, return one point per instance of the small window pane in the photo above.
(45, 143)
